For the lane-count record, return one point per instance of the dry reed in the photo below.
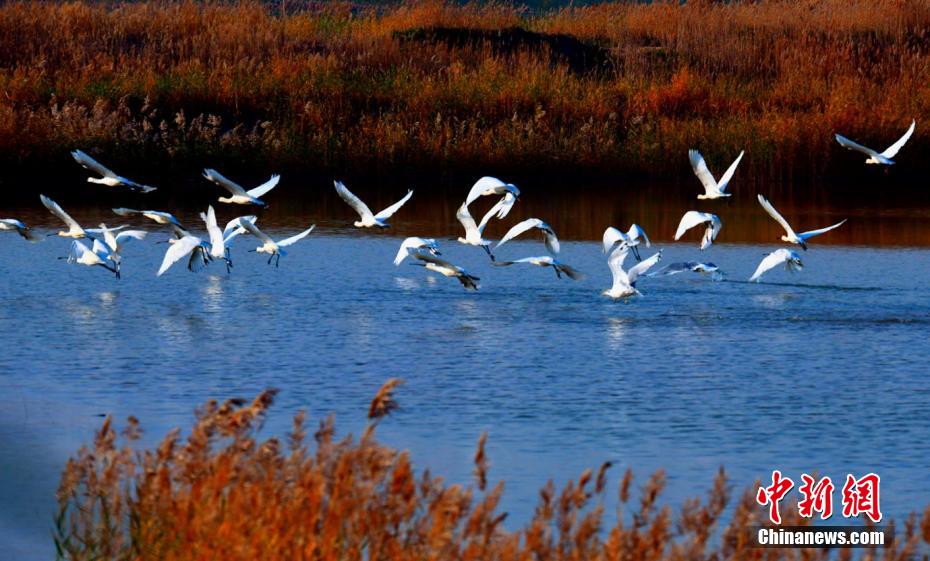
(224, 494)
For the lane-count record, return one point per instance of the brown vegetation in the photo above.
(224, 494)
(619, 88)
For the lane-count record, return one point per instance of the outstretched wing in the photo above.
(774, 214)
(233, 228)
(177, 251)
(615, 262)
(770, 261)
(389, 211)
(264, 187)
(353, 201)
(463, 216)
(635, 232)
(643, 266)
(846, 143)
(411, 243)
(430, 258)
(294, 239)
(611, 237)
(520, 228)
(123, 237)
(812, 233)
(892, 150)
(92, 164)
(217, 244)
(700, 170)
(691, 219)
(55, 209)
(222, 181)
(484, 184)
(728, 175)
(126, 211)
(253, 229)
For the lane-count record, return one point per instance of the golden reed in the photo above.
(320, 86)
(224, 494)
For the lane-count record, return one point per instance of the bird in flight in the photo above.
(713, 189)
(790, 236)
(239, 195)
(367, 218)
(109, 178)
(875, 157)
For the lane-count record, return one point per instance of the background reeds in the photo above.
(222, 493)
(616, 88)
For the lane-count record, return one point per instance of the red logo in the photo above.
(860, 496)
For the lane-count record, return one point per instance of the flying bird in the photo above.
(272, 248)
(791, 260)
(613, 237)
(878, 157)
(114, 243)
(474, 232)
(220, 239)
(684, 267)
(494, 186)
(109, 178)
(445, 268)
(239, 195)
(547, 261)
(693, 218)
(552, 242)
(367, 218)
(83, 255)
(414, 243)
(191, 247)
(790, 236)
(624, 284)
(713, 189)
(12, 224)
(159, 217)
(74, 229)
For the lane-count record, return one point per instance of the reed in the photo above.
(617, 88)
(222, 493)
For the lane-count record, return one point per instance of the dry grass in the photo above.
(224, 494)
(331, 85)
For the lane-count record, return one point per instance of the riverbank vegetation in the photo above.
(223, 493)
(615, 88)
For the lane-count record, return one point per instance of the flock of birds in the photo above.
(107, 244)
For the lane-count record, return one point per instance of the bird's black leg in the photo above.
(270, 257)
(278, 260)
(557, 272)
(636, 253)
(228, 265)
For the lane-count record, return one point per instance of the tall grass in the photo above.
(328, 86)
(224, 494)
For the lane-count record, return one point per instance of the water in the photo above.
(821, 370)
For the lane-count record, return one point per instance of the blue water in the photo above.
(822, 370)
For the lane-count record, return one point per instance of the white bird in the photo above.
(114, 243)
(269, 246)
(692, 218)
(624, 284)
(613, 237)
(552, 242)
(187, 246)
(74, 229)
(239, 194)
(875, 157)
(713, 189)
(474, 232)
(11, 224)
(220, 239)
(109, 178)
(83, 255)
(445, 268)
(790, 236)
(692, 266)
(159, 217)
(415, 243)
(547, 261)
(367, 218)
(791, 260)
(494, 186)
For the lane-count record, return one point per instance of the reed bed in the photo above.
(222, 493)
(617, 88)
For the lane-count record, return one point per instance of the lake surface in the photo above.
(823, 370)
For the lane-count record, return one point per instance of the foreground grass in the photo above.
(614, 88)
(224, 494)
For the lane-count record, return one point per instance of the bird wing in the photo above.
(504, 205)
(353, 201)
(615, 263)
(728, 175)
(233, 228)
(126, 211)
(774, 214)
(217, 243)
(482, 185)
(637, 232)
(643, 266)
(430, 258)
(78, 249)
(219, 179)
(253, 229)
(124, 237)
(700, 170)
(406, 246)
(892, 150)
(389, 211)
(611, 237)
(770, 261)
(101, 249)
(846, 143)
(294, 239)
(570, 271)
(92, 164)
(178, 250)
(520, 228)
(264, 187)
(55, 209)
(487, 217)
(812, 233)
(552, 241)
(463, 216)
(690, 219)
